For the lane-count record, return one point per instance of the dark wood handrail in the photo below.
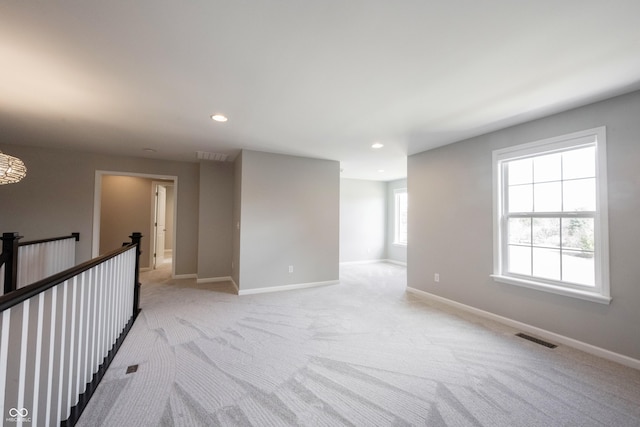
(51, 239)
(16, 297)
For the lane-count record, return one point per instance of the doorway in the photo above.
(162, 224)
(126, 202)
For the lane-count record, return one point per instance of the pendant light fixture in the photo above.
(12, 169)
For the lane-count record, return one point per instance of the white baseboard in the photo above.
(214, 279)
(543, 333)
(374, 261)
(364, 261)
(185, 276)
(286, 287)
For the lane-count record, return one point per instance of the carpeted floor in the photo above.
(361, 353)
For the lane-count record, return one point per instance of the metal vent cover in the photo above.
(536, 340)
(216, 157)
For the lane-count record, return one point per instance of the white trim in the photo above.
(184, 276)
(596, 137)
(286, 287)
(153, 233)
(364, 261)
(555, 143)
(235, 285)
(214, 279)
(374, 261)
(543, 333)
(566, 291)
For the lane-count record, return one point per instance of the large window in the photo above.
(400, 204)
(550, 229)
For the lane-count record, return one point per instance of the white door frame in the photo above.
(154, 215)
(97, 202)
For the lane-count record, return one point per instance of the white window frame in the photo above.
(396, 221)
(595, 137)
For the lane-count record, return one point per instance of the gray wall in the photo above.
(215, 232)
(394, 252)
(450, 228)
(289, 215)
(363, 216)
(57, 197)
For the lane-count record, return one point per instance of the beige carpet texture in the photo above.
(363, 352)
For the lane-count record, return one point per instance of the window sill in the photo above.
(574, 293)
(404, 245)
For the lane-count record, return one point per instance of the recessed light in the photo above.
(377, 145)
(148, 150)
(380, 170)
(219, 118)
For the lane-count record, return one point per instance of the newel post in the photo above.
(135, 239)
(10, 259)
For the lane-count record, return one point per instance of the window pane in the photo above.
(546, 263)
(520, 230)
(520, 198)
(578, 267)
(547, 168)
(579, 195)
(547, 197)
(546, 232)
(546, 204)
(520, 171)
(579, 163)
(519, 260)
(577, 234)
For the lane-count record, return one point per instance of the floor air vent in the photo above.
(536, 340)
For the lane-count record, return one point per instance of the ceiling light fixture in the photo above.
(377, 145)
(381, 170)
(12, 169)
(219, 118)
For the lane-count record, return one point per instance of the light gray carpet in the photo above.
(361, 353)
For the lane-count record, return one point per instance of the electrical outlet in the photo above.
(436, 277)
(291, 269)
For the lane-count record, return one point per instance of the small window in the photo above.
(550, 229)
(400, 220)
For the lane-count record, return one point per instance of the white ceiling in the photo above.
(316, 78)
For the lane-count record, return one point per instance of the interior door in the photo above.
(160, 226)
